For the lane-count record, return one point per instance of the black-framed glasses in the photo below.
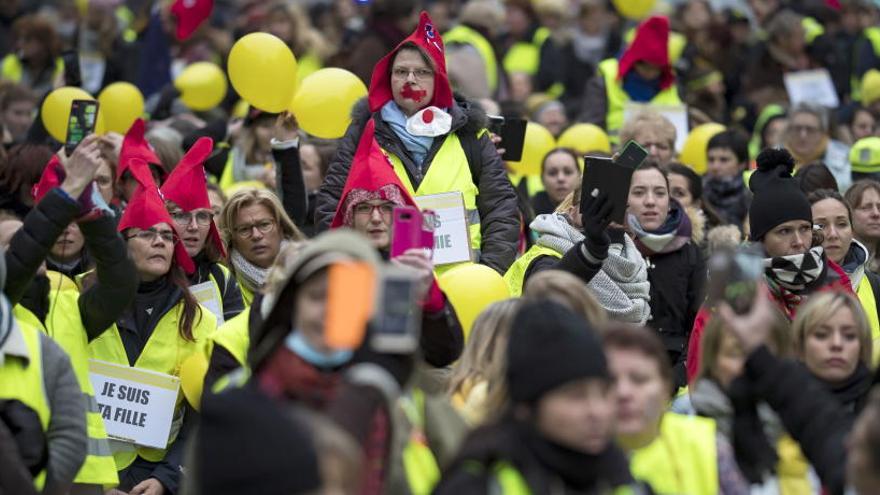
(247, 231)
(149, 235)
(366, 209)
(183, 218)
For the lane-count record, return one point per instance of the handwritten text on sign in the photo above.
(452, 242)
(137, 405)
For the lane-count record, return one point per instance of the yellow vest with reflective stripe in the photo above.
(419, 463)
(164, 352)
(682, 459)
(23, 380)
(64, 326)
(869, 304)
(12, 70)
(525, 56)
(234, 337)
(617, 97)
(468, 36)
(515, 275)
(449, 171)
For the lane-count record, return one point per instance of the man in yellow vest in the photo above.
(642, 75)
(433, 143)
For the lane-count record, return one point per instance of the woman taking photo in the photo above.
(662, 232)
(560, 174)
(833, 340)
(255, 227)
(158, 332)
(673, 453)
(555, 435)
(186, 196)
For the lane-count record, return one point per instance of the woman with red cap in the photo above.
(163, 327)
(435, 143)
(186, 196)
(643, 75)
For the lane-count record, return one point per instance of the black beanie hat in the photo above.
(777, 196)
(550, 346)
(248, 443)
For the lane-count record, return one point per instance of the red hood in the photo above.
(429, 42)
(651, 44)
(134, 145)
(371, 177)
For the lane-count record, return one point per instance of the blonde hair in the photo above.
(568, 290)
(820, 308)
(254, 196)
(779, 341)
(484, 358)
(648, 118)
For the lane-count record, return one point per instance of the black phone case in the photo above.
(603, 174)
(83, 117)
(513, 137)
(632, 155)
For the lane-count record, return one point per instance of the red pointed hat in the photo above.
(187, 185)
(651, 44)
(428, 40)
(371, 177)
(134, 145)
(52, 177)
(147, 208)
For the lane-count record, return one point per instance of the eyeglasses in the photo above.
(804, 129)
(366, 209)
(420, 74)
(247, 231)
(184, 218)
(149, 235)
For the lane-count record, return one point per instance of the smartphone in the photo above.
(602, 174)
(81, 123)
(733, 277)
(632, 155)
(496, 123)
(513, 138)
(411, 229)
(397, 323)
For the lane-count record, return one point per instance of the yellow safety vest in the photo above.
(869, 304)
(217, 289)
(468, 36)
(449, 171)
(419, 463)
(682, 459)
(247, 296)
(507, 480)
(164, 352)
(23, 380)
(516, 274)
(873, 35)
(64, 326)
(525, 56)
(12, 70)
(234, 337)
(617, 97)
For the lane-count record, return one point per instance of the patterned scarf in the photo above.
(671, 236)
(797, 272)
(252, 276)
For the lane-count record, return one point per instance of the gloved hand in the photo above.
(595, 222)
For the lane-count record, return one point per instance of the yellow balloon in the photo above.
(693, 153)
(121, 103)
(538, 142)
(470, 288)
(202, 86)
(55, 111)
(192, 377)
(262, 70)
(585, 138)
(322, 104)
(634, 9)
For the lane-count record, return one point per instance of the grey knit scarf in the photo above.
(252, 276)
(621, 286)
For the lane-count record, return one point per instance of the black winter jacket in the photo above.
(496, 202)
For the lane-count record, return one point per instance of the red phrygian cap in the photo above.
(187, 185)
(651, 44)
(135, 146)
(51, 178)
(428, 40)
(146, 209)
(371, 171)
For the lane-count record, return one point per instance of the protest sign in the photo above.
(677, 114)
(811, 86)
(452, 242)
(137, 405)
(206, 294)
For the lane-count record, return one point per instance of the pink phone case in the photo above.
(406, 230)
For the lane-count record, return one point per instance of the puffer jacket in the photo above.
(496, 202)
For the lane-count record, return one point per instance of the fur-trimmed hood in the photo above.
(698, 224)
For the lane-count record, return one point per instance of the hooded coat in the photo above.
(496, 202)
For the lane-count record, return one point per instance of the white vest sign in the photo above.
(206, 294)
(452, 243)
(137, 405)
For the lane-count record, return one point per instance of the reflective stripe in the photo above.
(99, 447)
(473, 217)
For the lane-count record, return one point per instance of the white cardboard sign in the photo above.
(677, 114)
(206, 294)
(811, 86)
(452, 243)
(137, 405)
